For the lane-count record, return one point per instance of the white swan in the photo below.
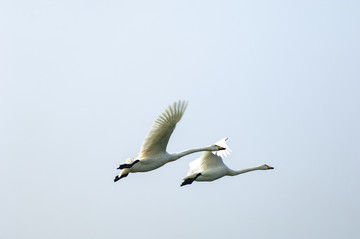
(210, 167)
(153, 150)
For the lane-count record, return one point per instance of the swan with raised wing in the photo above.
(153, 152)
(210, 167)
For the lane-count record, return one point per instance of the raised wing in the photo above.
(159, 134)
(210, 159)
(207, 161)
(222, 153)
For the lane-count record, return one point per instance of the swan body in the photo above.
(153, 152)
(210, 167)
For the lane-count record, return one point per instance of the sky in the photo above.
(81, 83)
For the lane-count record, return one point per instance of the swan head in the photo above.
(222, 148)
(265, 167)
(215, 147)
(218, 147)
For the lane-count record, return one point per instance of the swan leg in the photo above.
(125, 165)
(190, 180)
(117, 178)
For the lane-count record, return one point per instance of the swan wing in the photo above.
(195, 167)
(160, 132)
(207, 161)
(222, 153)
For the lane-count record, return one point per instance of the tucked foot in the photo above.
(117, 178)
(126, 165)
(189, 180)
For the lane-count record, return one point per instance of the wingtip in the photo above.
(183, 104)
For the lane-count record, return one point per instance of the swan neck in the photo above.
(237, 172)
(190, 151)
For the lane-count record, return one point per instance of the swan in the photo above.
(210, 167)
(153, 150)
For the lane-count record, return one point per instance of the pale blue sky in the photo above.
(81, 82)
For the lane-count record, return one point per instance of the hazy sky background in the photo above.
(81, 82)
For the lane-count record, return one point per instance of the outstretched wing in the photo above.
(160, 132)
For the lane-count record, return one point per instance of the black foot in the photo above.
(125, 165)
(189, 180)
(117, 178)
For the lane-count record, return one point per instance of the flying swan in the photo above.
(153, 150)
(210, 167)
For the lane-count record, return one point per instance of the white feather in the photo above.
(153, 152)
(222, 153)
(210, 166)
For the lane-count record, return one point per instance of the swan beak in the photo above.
(269, 167)
(220, 148)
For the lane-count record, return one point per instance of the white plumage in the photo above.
(159, 134)
(153, 152)
(210, 166)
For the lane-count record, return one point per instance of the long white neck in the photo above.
(237, 172)
(176, 156)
